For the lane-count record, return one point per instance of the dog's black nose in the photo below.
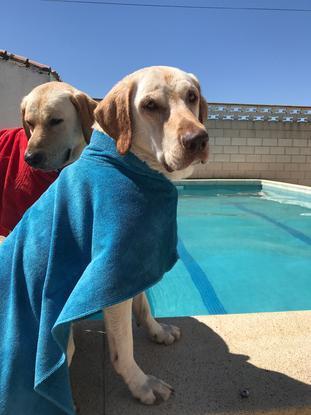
(35, 159)
(195, 142)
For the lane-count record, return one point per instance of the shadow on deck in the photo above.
(216, 358)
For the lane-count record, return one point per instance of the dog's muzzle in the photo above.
(195, 142)
(35, 159)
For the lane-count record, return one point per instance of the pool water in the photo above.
(240, 252)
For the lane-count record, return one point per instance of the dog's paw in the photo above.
(152, 391)
(166, 334)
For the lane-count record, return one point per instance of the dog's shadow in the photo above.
(207, 378)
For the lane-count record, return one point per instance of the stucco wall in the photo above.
(15, 82)
(258, 149)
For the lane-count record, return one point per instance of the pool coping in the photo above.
(268, 187)
(245, 182)
(218, 357)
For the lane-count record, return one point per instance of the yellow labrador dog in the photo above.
(57, 119)
(158, 113)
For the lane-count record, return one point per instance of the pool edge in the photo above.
(268, 187)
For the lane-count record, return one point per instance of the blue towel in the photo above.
(102, 233)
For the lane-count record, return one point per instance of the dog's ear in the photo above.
(85, 107)
(23, 109)
(113, 114)
(203, 112)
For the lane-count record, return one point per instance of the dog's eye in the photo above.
(56, 121)
(192, 97)
(150, 105)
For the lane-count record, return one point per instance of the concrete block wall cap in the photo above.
(29, 63)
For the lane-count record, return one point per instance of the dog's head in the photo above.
(57, 119)
(159, 112)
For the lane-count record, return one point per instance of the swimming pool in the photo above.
(244, 247)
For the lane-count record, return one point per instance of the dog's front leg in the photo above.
(158, 332)
(146, 388)
(70, 347)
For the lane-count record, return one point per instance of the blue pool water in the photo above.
(240, 252)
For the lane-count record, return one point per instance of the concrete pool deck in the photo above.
(218, 356)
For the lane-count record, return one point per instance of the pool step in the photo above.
(264, 357)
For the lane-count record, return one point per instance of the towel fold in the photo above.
(102, 233)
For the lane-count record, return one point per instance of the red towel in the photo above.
(20, 184)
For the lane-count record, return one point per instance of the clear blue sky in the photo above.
(239, 56)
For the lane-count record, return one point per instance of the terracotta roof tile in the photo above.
(29, 63)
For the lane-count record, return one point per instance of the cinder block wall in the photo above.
(258, 149)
